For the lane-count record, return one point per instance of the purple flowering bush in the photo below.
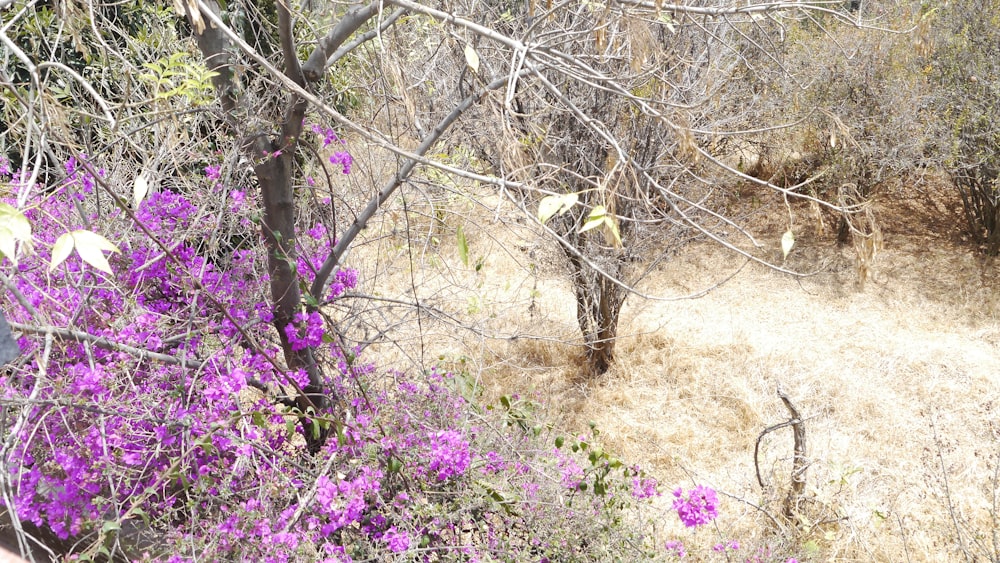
(156, 396)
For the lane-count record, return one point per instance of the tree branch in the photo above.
(317, 63)
(214, 45)
(103, 342)
(404, 172)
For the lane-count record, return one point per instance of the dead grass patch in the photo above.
(899, 381)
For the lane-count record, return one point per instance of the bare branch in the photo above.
(103, 342)
(404, 172)
(322, 56)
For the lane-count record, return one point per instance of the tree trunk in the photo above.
(278, 229)
(598, 304)
(274, 175)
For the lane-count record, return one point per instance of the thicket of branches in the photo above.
(204, 148)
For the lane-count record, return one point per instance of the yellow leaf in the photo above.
(787, 242)
(61, 250)
(7, 247)
(472, 58)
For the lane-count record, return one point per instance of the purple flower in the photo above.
(344, 159)
(449, 454)
(329, 136)
(677, 547)
(213, 172)
(318, 231)
(310, 335)
(731, 545)
(699, 508)
(396, 541)
(644, 487)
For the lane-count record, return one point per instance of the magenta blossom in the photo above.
(699, 508)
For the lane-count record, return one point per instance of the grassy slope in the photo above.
(900, 381)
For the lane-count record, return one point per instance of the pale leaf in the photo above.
(556, 204)
(94, 257)
(61, 250)
(548, 206)
(568, 201)
(592, 223)
(597, 212)
(90, 247)
(94, 240)
(787, 242)
(472, 58)
(15, 222)
(139, 190)
(596, 218)
(7, 247)
(611, 228)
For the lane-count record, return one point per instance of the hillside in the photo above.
(898, 379)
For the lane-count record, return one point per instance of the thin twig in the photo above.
(103, 342)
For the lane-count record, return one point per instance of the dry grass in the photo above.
(899, 381)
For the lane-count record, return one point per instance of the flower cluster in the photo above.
(310, 335)
(699, 507)
(342, 159)
(448, 454)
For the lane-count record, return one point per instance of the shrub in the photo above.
(153, 394)
(966, 71)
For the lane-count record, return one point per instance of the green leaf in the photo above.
(600, 488)
(395, 465)
(61, 250)
(463, 246)
(596, 218)
(257, 418)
